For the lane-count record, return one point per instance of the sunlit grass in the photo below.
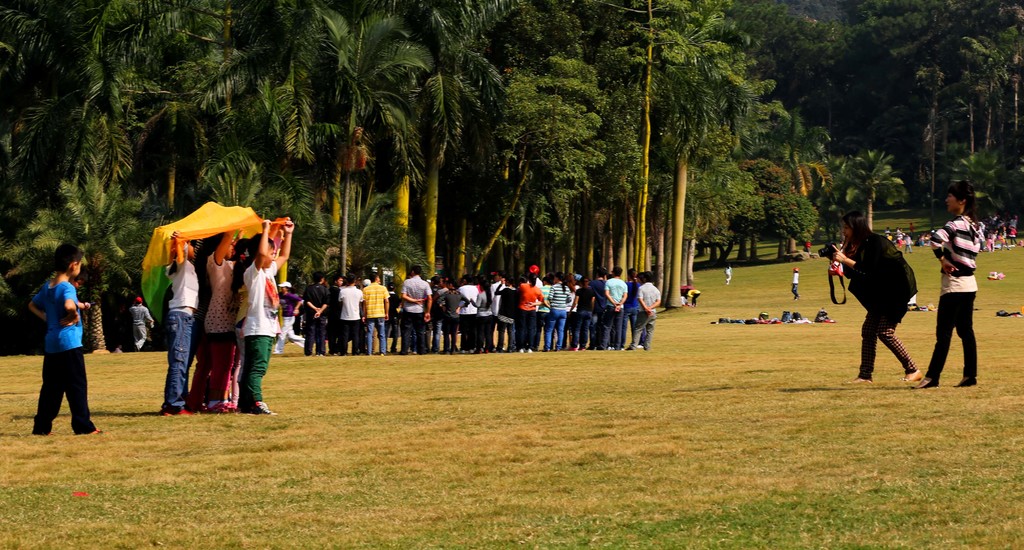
(723, 436)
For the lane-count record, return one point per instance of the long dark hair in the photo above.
(858, 223)
(964, 191)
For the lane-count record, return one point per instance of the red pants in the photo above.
(212, 373)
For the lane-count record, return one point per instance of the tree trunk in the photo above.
(659, 268)
(678, 219)
(430, 216)
(641, 214)
(622, 254)
(741, 256)
(172, 179)
(460, 251)
(753, 248)
(346, 205)
(871, 213)
(97, 341)
(665, 277)
(402, 219)
(970, 122)
(781, 250)
(339, 168)
(690, 280)
(713, 257)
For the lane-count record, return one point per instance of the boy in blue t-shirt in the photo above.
(56, 303)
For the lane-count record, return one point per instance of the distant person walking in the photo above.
(796, 283)
(142, 321)
(728, 274)
(957, 245)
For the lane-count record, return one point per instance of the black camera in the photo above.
(829, 251)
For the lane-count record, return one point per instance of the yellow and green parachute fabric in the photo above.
(209, 220)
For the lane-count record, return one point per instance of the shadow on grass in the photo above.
(696, 390)
(806, 390)
(104, 414)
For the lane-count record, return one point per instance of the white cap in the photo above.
(366, 282)
(285, 284)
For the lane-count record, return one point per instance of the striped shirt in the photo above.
(560, 297)
(959, 242)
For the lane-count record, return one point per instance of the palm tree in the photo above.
(871, 177)
(105, 224)
(452, 96)
(986, 173)
(700, 96)
(371, 66)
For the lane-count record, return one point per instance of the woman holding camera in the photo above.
(956, 245)
(882, 281)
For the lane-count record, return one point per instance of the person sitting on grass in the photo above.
(260, 327)
(56, 303)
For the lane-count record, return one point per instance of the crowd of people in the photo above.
(480, 314)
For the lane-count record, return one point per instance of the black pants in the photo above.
(467, 328)
(334, 335)
(64, 373)
(956, 310)
(316, 335)
(485, 333)
(349, 333)
(413, 322)
(450, 327)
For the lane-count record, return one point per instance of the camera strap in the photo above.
(832, 288)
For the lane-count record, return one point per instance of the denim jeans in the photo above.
(542, 317)
(610, 322)
(376, 325)
(414, 330)
(596, 326)
(526, 332)
(554, 324)
(510, 329)
(628, 314)
(437, 323)
(581, 328)
(178, 327)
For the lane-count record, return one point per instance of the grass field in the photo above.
(722, 437)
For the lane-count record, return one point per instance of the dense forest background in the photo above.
(473, 135)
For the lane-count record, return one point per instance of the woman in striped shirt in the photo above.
(956, 245)
(559, 300)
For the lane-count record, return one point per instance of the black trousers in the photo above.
(350, 333)
(485, 332)
(414, 323)
(956, 310)
(467, 328)
(334, 325)
(64, 373)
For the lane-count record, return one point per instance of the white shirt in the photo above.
(495, 299)
(219, 316)
(184, 285)
(470, 293)
(796, 277)
(350, 298)
(261, 318)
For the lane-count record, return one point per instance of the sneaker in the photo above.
(261, 408)
(529, 351)
(522, 351)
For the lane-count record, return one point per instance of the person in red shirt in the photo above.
(530, 296)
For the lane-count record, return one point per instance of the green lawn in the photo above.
(722, 437)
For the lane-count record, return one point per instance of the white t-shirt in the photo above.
(495, 299)
(350, 298)
(796, 277)
(219, 316)
(470, 293)
(261, 318)
(184, 285)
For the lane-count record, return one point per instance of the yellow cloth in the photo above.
(209, 220)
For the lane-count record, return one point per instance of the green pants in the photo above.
(257, 359)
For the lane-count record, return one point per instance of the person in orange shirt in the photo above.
(530, 296)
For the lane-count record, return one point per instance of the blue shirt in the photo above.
(616, 289)
(597, 285)
(51, 301)
(633, 297)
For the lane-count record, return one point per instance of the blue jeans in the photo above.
(378, 326)
(610, 322)
(316, 335)
(526, 332)
(628, 313)
(555, 323)
(437, 323)
(178, 327)
(581, 328)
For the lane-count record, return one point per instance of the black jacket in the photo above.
(881, 279)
